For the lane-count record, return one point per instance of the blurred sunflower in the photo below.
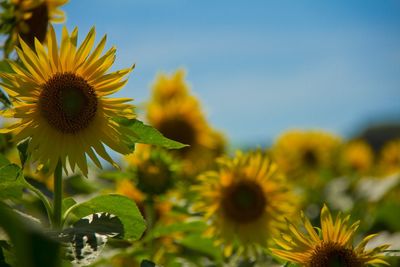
(245, 201)
(178, 116)
(61, 97)
(127, 188)
(181, 120)
(301, 153)
(30, 19)
(390, 157)
(153, 169)
(168, 88)
(333, 249)
(357, 157)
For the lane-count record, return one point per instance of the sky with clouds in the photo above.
(260, 67)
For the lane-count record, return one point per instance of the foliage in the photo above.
(145, 212)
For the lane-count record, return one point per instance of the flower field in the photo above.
(90, 178)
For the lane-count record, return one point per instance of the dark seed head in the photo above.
(68, 102)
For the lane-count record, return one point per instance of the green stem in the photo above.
(41, 196)
(58, 194)
(67, 212)
(149, 211)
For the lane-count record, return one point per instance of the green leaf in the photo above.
(77, 184)
(146, 134)
(112, 175)
(122, 207)
(5, 67)
(10, 182)
(32, 247)
(4, 253)
(9, 259)
(3, 160)
(164, 230)
(202, 245)
(4, 99)
(23, 150)
(93, 230)
(386, 217)
(67, 203)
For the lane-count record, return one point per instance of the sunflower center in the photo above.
(154, 178)
(334, 255)
(244, 201)
(68, 102)
(37, 24)
(178, 129)
(310, 158)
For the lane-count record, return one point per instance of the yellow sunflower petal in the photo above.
(36, 87)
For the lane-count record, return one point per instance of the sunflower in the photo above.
(357, 156)
(127, 188)
(301, 153)
(181, 120)
(154, 169)
(178, 115)
(390, 157)
(167, 88)
(245, 201)
(333, 249)
(30, 19)
(61, 100)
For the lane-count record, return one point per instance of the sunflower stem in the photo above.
(149, 211)
(58, 194)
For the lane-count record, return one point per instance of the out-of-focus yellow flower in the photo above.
(245, 201)
(127, 188)
(357, 157)
(181, 120)
(61, 96)
(305, 153)
(31, 18)
(153, 169)
(333, 249)
(178, 115)
(170, 88)
(390, 157)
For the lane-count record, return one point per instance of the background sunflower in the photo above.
(245, 201)
(29, 19)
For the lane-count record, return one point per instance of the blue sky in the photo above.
(260, 67)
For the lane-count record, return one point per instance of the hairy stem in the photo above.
(58, 194)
